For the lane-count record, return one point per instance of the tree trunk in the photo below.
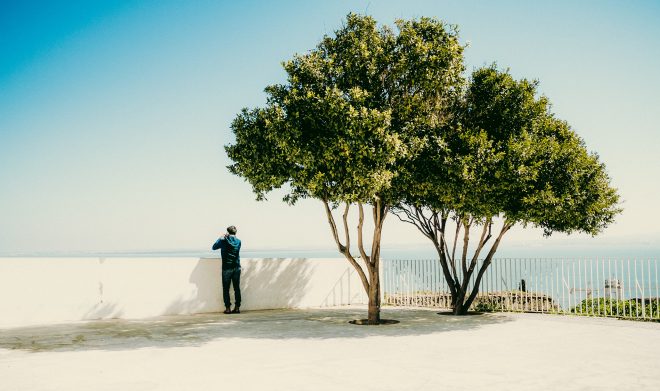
(371, 277)
(461, 300)
(374, 297)
(457, 296)
(460, 308)
(373, 264)
(477, 281)
(461, 296)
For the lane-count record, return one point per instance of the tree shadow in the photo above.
(266, 284)
(275, 283)
(103, 310)
(206, 276)
(196, 330)
(343, 292)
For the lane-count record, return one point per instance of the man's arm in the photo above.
(218, 243)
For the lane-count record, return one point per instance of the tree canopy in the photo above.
(506, 154)
(351, 111)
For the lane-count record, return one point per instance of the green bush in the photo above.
(486, 306)
(618, 308)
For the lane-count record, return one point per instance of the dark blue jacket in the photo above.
(230, 247)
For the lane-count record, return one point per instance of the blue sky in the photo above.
(113, 114)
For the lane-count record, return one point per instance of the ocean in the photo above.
(417, 251)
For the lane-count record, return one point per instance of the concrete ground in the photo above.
(319, 350)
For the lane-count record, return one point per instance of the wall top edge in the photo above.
(155, 258)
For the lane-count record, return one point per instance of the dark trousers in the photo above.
(231, 276)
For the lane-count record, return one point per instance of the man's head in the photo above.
(231, 230)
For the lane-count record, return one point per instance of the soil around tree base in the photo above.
(365, 322)
(466, 314)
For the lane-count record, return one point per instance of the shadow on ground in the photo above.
(195, 330)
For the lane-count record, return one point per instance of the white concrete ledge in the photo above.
(51, 290)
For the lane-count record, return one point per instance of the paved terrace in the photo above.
(319, 350)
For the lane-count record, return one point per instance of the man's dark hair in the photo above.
(232, 230)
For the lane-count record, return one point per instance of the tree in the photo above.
(507, 158)
(354, 111)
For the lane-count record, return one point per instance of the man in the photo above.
(230, 247)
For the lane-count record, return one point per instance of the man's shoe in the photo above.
(236, 311)
(227, 311)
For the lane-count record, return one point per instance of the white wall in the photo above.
(48, 290)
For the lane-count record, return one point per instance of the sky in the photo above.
(114, 114)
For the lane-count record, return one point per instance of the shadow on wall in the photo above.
(272, 283)
(268, 283)
(345, 292)
(207, 296)
(103, 311)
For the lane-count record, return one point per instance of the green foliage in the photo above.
(353, 112)
(486, 306)
(505, 154)
(618, 308)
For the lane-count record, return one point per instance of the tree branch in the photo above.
(466, 241)
(452, 259)
(333, 227)
(473, 261)
(485, 235)
(438, 224)
(343, 249)
(346, 233)
(363, 253)
(439, 247)
(475, 289)
(416, 218)
(380, 212)
(453, 249)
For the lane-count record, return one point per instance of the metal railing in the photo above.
(594, 287)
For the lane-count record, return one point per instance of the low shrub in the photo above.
(487, 306)
(619, 308)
